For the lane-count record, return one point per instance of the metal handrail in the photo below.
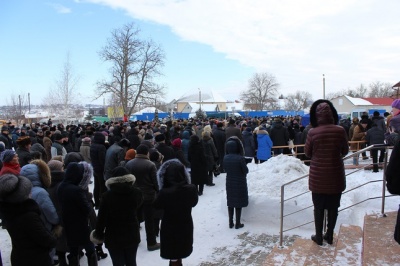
(375, 146)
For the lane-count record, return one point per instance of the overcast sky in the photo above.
(209, 45)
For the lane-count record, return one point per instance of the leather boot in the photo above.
(238, 212)
(375, 168)
(332, 217)
(319, 224)
(230, 212)
(176, 263)
(92, 259)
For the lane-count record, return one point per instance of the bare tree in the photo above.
(63, 97)
(16, 108)
(297, 101)
(262, 91)
(135, 64)
(379, 89)
(359, 92)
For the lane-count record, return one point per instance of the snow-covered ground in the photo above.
(215, 243)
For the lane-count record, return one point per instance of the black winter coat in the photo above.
(133, 138)
(145, 172)
(117, 220)
(279, 134)
(76, 209)
(176, 234)
(236, 172)
(98, 157)
(375, 136)
(249, 144)
(31, 241)
(219, 137)
(114, 155)
(198, 160)
(210, 152)
(56, 178)
(166, 151)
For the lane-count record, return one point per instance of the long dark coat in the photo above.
(219, 137)
(198, 160)
(236, 172)
(177, 201)
(117, 220)
(31, 241)
(75, 207)
(56, 178)
(210, 152)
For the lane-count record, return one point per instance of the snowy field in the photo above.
(216, 244)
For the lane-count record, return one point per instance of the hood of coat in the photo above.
(126, 180)
(172, 173)
(185, 134)
(234, 145)
(323, 112)
(78, 174)
(38, 173)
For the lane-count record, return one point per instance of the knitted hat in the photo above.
(7, 156)
(177, 142)
(14, 188)
(130, 154)
(55, 165)
(396, 103)
(160, 137)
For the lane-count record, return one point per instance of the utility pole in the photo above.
(29, 102)
(323, 86)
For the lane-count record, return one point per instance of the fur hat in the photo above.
(160, 137)
(142, 149)
(14, 188)
(7, 156)
(396, 104)
(55, 165)
(23, 141)
(130, 154)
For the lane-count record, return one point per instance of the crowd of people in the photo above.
(154, 173)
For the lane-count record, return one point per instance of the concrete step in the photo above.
(321, 255)
(277, 256)
(379, 247)
(298, 252)
(348, 246)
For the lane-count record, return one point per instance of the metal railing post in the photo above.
(282, 205)
(384, 181)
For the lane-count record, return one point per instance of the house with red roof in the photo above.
(353, 107)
